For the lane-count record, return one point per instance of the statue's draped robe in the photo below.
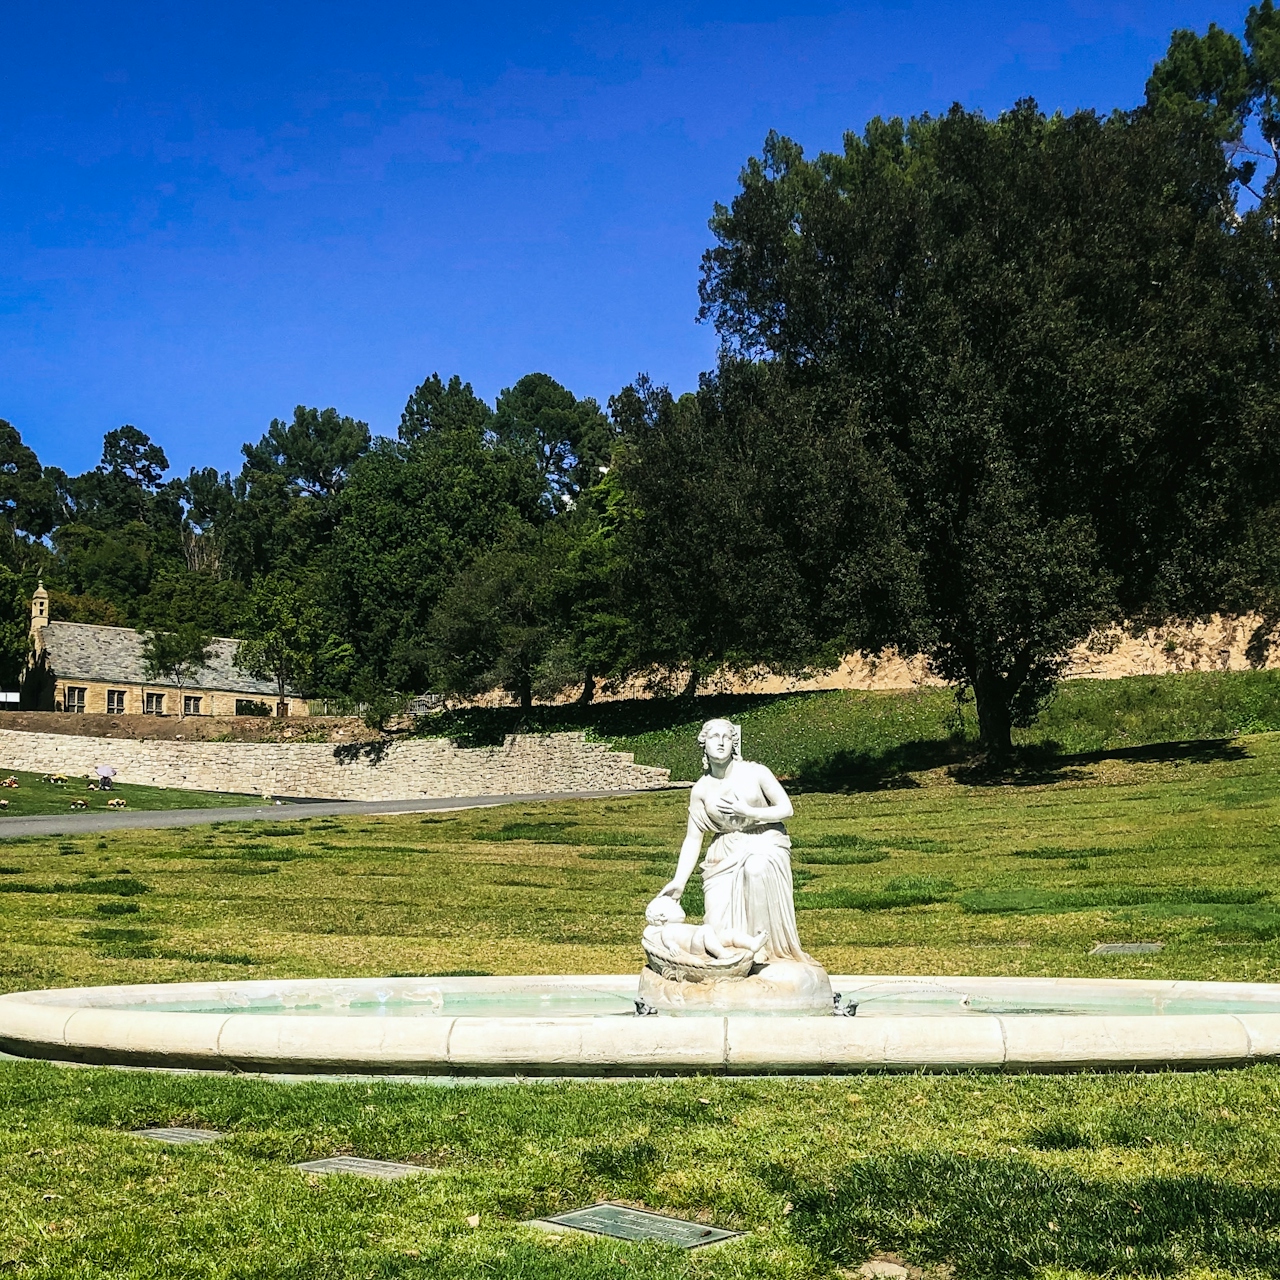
(746, 878)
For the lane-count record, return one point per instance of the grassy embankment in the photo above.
(33, 796)
(1080, 1176)
(833, 741)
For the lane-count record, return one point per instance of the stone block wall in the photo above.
(423, 768)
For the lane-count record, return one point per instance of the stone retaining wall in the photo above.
(423, 768)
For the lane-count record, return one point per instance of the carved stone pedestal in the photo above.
(785, 987)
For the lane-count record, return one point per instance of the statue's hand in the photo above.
(672, 890)
(733, 807)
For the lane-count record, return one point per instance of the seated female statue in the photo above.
(746, 875)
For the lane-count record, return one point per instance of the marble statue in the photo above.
(746, 954)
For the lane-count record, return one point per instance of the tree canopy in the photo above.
(439, 406)
(289, 641)
(1054, 336)
(565, 438)
(177, 656)
(984, 385)
(1225, 83)
(313, 454)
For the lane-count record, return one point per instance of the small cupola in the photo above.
(39, 609)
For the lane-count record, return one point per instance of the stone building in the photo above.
(85, 668)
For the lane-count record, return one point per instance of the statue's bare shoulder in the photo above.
(704, 784)
(702, 789)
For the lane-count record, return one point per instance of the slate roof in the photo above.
(113, 655)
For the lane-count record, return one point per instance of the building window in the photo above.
(153, 705)
(251, 707)
(115, 702)
(191, 705)
(73, 699)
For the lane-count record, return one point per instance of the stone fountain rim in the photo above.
(79, 1025)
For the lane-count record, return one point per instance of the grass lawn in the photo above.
(33, 795)
(1051, 1177)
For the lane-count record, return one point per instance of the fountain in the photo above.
(745, 957)
(735, 995)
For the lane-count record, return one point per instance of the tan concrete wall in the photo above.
(1217, 644)
(421, 768)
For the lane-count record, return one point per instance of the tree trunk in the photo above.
(588, 690)
(526, 696)
(995, 723)
(691, 687)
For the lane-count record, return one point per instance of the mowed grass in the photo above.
(33, 796)
(937, 877)
(1046, 1177)
(1022, 1176)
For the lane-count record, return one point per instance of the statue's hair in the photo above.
(734, 729)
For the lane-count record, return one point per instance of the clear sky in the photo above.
(211, 213)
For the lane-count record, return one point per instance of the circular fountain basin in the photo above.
(588, 1026)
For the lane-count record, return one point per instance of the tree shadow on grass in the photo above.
(1033, 1218)
(962, 759)
(1037, 764)
(887, 770)
(1191, 751)
(1031, 764)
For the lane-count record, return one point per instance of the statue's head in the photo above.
(721, 741)
(664, 910)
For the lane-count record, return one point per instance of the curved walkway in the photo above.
(70, 824)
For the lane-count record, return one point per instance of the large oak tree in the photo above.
(1052, 341)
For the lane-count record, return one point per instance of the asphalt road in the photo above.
(72, 824)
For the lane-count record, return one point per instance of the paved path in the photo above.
(71, 824)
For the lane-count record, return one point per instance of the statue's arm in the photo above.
(689, 851)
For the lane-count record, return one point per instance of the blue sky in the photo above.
(209, 214)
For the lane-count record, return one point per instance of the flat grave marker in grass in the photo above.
(1126, 948)
(386, 1170)
(177, 1136)
(622, 1223)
